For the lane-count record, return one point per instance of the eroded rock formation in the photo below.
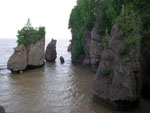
(118, 78)
(35, 53)
(51, 54)
(28, 56)
(86, 40)
(95, 49)
(18, 61)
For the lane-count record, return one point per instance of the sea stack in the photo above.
(30, 50)
(51, 54)
(28, 56)
(62, 59)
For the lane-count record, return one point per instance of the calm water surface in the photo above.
(54, 88)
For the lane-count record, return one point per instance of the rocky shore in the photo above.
(119, 79)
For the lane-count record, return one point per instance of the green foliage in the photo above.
(28, 34)
(105, 40)
(129, 24)
(81, 18)
(105, 70)
(78, 49)
(144, 11)
(132, 16)
(82, 15)
(106, 15)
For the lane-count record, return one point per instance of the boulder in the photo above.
(18, 61)
(62, 59)
(35, 53)
(86, 40)
(51, 54)
(118, 78)
(2, 110)
(95, 49)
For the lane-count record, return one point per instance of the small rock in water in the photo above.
(51, 53)
(62, 59)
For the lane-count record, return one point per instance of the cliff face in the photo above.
(120, 53)
(118, 78)
(29, 56)
(95, 49)
(35, 53)
(86, 40)
(92, 50)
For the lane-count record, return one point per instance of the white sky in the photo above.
(53, 14)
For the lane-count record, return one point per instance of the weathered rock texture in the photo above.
(35, 53)
(118, 78)
(86, 40)
(51, 54)
(95, 50)
(2, 110)
(92, 50)
(18, 61)
(28, 56)
(75, 59)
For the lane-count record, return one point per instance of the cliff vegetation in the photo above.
(132, 16)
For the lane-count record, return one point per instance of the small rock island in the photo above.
(51, 53)
(30, 50)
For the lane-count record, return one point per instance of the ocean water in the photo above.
(54, 88)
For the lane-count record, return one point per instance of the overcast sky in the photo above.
(53, 14)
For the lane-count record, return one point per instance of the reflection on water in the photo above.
(54, 88)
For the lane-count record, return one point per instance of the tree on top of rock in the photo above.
(28, 34)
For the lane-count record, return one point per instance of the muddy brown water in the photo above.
(54, 88)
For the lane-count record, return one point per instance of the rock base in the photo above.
(116, 105)
(34, 67)
(77, 60)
